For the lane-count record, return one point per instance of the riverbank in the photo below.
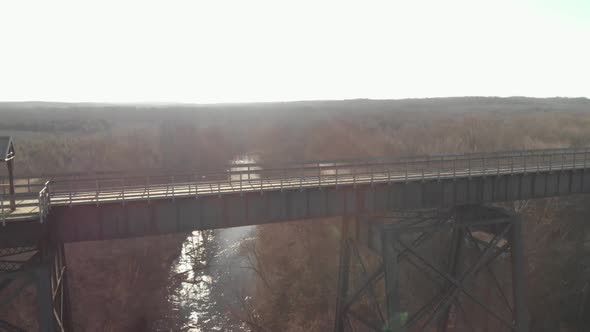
(123, 283)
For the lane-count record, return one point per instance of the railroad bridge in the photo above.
(389, 208)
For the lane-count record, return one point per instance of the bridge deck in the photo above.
(27, 208)
(261, 185)
(322, 175)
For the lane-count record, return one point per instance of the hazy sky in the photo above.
(231, 51)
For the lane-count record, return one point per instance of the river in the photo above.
(211, 277)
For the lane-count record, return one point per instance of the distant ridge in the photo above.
(470, 99)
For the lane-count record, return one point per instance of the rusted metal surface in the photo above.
(107, 188)
(401, 242)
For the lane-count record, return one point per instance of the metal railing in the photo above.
(34, 182)
(264, 177)
(28, 206)
(261, 177)
(44, 202)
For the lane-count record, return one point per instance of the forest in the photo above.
(296, 263)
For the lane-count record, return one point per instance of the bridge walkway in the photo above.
(261, 178)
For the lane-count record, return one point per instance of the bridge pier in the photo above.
(53, 304)
(43, 266)
(519, 276)
(391, 266)
(343, 274)
(432, 270)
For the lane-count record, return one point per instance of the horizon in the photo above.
(173, 103)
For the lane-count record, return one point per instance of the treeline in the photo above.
(49, 125)
(47, 117)
(87, 137)
(298, 261)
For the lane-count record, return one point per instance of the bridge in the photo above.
(51, 210)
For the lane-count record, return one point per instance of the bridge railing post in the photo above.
(284, 175)
(196, 186)
(300, 177)
(96, 190)
(70, 191)
(173, 191)
(48, 186)
(41, 206)
(562, 160)
(2, 218)
(148, 187)
(319, 175)
(574, 162)
(389, 174)
(261, 183)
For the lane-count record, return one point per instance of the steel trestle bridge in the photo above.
(381, 201)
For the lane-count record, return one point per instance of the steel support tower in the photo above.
(445, 270)
(43, 267)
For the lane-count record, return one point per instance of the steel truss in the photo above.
(433, 271)
(45, 267)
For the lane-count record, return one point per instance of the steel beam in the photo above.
(47, 271)
(343, 276)
(389, 237)
(521, 316)
(446, 308)
(66, 308)
(44, 298)
(453, 270)
(7, 327)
